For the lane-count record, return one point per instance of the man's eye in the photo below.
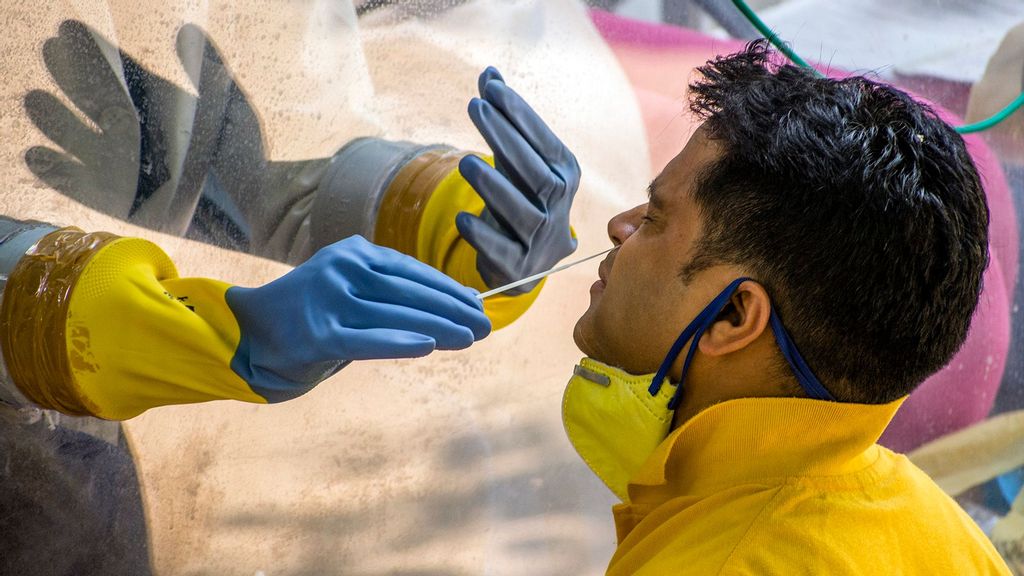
(645, 219)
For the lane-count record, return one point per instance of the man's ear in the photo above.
(742, 322)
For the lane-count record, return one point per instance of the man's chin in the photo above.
(580, 334)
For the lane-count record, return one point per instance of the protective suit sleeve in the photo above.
(311, 204)
(96, 324)
(16, 238)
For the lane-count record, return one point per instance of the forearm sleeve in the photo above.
(100, 325)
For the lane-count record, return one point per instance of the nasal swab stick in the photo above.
(540, 275)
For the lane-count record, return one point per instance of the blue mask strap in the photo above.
(808, 381)
(695, 330)
(810, 384)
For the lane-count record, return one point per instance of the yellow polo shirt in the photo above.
(792, 486)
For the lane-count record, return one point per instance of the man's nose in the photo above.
(622, 226)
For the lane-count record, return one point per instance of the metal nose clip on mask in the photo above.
(615, 420)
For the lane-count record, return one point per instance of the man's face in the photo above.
(639, 305)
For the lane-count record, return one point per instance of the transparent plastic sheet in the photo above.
(454, 464)
(33, 320)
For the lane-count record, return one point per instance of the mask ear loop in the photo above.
(808, 381)
(695, 330)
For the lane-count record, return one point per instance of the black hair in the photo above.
(857, 208)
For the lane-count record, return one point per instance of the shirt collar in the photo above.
(755, 439)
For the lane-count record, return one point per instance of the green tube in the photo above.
(767, 32)
(994, 119)
(756, 21)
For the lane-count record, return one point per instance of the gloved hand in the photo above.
(352, 300)
(222, 189)
(128, 164)
(99, 169)
(525, 227)
(95, 324)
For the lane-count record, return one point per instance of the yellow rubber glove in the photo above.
(96, 324)
(418, 216)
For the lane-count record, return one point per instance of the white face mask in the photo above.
(615, 420)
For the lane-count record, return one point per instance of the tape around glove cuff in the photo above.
(33, 318)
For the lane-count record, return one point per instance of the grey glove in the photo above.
(99, 169)
(124, 169)
(163, 158)
(525, 227)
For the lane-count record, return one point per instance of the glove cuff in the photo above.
(16, 238)
(33, 317)
(349, 200)
(402, 210)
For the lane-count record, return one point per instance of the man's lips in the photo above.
(606, 264)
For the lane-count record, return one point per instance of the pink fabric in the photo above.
(658, 60)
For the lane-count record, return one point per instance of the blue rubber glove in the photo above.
(525, 227)
(352, 300)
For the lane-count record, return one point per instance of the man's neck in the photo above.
(755, 375)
